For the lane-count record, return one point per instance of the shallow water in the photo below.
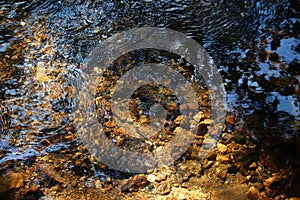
(255, 45)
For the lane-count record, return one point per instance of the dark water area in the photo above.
(254, 44)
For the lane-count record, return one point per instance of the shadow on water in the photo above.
(255, 45)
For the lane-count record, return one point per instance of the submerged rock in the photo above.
(11, 180)
(135, 183)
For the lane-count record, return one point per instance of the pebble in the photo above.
(166, 171)
(230, 119)
(221, 148)
(253, 193)
(253, 165)
(164, 188)
(180, 193)
(74, 183)
(22, 23)
(151, 178)
(160, 177)
(98, 184)
(198, 116)
(233, 147)
(222, 175)
(223, 159)
(50, 172)
(134, 183)
(178, 120)
(268, 182)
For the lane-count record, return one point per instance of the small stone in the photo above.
(160, 177)
(253, 193)
(243, 180)
(221, 148)
(179, 193)
(233, 147)
(108, 180)
(11, 180)
(206, 121)
(166, 170)
(223, 159)
(230, 119)
(270, 181)
(178, 120)
(198, 116)
(183, 193)
(253, 165)
(109, 124)
(163, 188)
(77, 162)
(260, 187)
(22, 23)
(151, 178)
(222, 175)
(134, 183)
(73, 183)
(180, 176)
(98, 184)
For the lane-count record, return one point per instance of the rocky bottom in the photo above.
(236, 169)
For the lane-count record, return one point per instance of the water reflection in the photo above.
(255, 44)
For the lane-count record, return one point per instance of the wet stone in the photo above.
(180, 177)
(221, 148)
(11, 180)
(253, 166)
(223, 159)
(160, 177)
(222, 175)
(253, 193)
(230, 119)
(268, 182)
(135, 183)
(151, 178)
(163, 188)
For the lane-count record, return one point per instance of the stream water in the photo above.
(254, 43)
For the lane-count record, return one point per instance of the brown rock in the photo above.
(230, 119)
(223, 158)
(260, 187)
(253, 165)
(49, 171)
(163, 188)
(243, 180)
(233, 147)
(222, 175)
(11, 180)
(268, 182)
(134, 183)
(151, 178)
(160, 177)
(222, 148)
(253, 193)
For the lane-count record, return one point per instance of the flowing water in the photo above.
(255, 45)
